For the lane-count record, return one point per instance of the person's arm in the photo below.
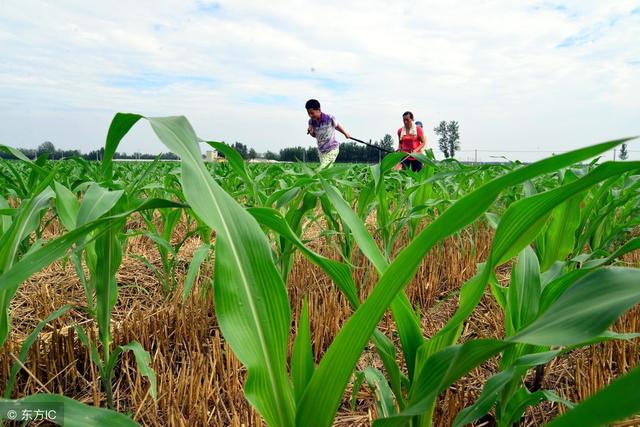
(311, 131)
(423, 142)
(344, 132)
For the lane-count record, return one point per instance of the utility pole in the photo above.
(476, 156)
(614, 154)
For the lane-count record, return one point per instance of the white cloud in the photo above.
(242, 70)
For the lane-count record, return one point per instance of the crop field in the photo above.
(233, 294)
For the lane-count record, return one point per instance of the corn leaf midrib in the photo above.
(206, 178)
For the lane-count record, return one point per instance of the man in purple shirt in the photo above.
(322, 127)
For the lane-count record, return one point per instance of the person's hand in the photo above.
(346, 135)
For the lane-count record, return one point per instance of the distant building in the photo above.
(212, 156)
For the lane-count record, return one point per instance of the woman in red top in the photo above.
(411, 140)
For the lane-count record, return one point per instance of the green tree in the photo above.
(46, 147)
(269, 155)
(387, 142)
(312, 155)
(292, 154)
(441, 131)
(448, 137)
(453, 137)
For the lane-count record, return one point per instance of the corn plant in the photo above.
(254, 314)
(20, 259)
(94, 228)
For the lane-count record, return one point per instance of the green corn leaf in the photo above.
(5, 219)
(494, 386)
(558, 286)
(143, 259)
(120, 125)
(560, 236)
(199, 256)
(324, 392)
(493, 219)
(37, 170)
(506, 245)
(19, 229)
(365, 242)
(24, 224)
(365, 198)
(387, 352)
(96, 202)
(434, 345)
(499, 292)
(235, 160)
(75, 414)
(408, 325)
(26, 221)
(16, 153)
(162, 243)
(109, 253)
(523, 398)
(302, 364)
(555, 271)
(248, 288)
(631, 245)
(384, 396)
(170, 218)
(284, 194)
(615, 402)
(339, 272)
(93, 350)
(523, 295)
(294, 218)
(36, 261)
(26, 345)
(143, 361)
(390, 160)
(67, 206)
(357, 386)
(426, 350)
(522, 222)
(16, 181)
(444, 368)
(285, 198)
(586, 309)
(134, 187)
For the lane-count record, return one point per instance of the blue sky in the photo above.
(518, 76)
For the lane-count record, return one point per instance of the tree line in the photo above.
(54, 153)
